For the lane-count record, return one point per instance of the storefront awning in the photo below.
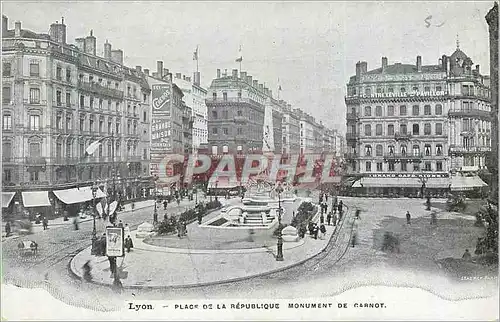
(35, 198)
(461, 183)
(374, 182)
(7, 198)
(438, 183)
(77, 195)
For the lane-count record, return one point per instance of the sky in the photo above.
(310, 47)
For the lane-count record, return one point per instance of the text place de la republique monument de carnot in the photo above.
(243, 161)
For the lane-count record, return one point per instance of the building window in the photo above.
(117, 128)
(91, 102)
(390, 129)
(82, 123)
(402, 129)
(439, 149)
(390, 110)
(427, 149)
(225, 131)
(416, 150)
(439, 109)
(34, 95)
(214, 96)
(427, 129)
(379, 166)
(68, 75)
(379, 150)
(34, 150)
(91, 124)
(403, 150)
(428, 166)
(404, 166)
(214, 130)
(225, 115)
(402, 110)
(59, 98)
(240, 113)
(6, 94)
(368, 166)
(427, 89)
(100, 104)
(82, 101)
(59, 73)
(35, 122)
(240, 132)
(378, 129)
(368, 150)
(6, 69)
(439, 166)
(7, 122)
(391, 165)
(224, 96)
(368, 111)
(391, 149)
(7, 175)
(368, 130)
(415, 110)
(427, 110)
(101, 124)
(58, 121)
(402, 90)
(390, 90)
(34, 69)
(416, 166)
(68, 99)
(416, 129)
(378, 111)
(415, 89)
(368, 91)
(438, 89)
(379, 90)
(34, 176)
(439, 129)
(214, 115)
(68, 123)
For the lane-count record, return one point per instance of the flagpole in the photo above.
(197, 58)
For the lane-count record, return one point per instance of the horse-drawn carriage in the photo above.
(27, 247)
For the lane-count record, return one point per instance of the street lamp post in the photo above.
(279, 256)
(155, 213)
(94, 231)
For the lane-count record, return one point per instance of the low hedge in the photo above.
(304, 214)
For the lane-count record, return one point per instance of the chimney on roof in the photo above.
(188, 78)
(218, 73)
(384, 63)
(361, 68)
(419, 64)
(90, 44)
(255, 83)
(243, 76)
(261, 87)
(5, 24)
(225, 73)
(271, 92)
(249, 80)
(155, 74)
(17, 29)
(235, 73)
(183, 77)
(159, 69)
(117, 56)
(178, 75)
(477, 69)
(196, 78)
(107, 50)
(57, 32)
(138, 69)
(80, 43)
(146, 71)
(165, 72)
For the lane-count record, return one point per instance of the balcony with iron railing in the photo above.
(470, 113)
(469, 150)
(99, 89)
(402, 136)
(352, 116)
(35, 161)
(351, 136)
(403, 156)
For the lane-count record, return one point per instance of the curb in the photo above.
(232, 280)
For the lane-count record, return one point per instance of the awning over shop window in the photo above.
(442, 183)
(374, 182)
(461, 183)
(35, 198)
(77, 195)
(7, 198)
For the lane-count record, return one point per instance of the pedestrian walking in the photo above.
(165, 204)
(75, 223)
(178, 201)
(322, 230)
(334, 208)
(128, 243)
(340, 206)
(315, 231)
(334, 219)
(112, 265)
(467, 256)
(433, 218)
(7, 229)
(322, 219)
(120, 224)
(126, 230)
(179, 229)
(200, 217)
(357, 214)
(408, 218)
(329, 218)
(87, 269)
(184, 228)
(45, 223)
(354, 239)
(326, 197)
(340, 216)
(311, 228)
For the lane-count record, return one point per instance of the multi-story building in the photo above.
(237, 109)
(492, 19)
(194, 97)
(401, 124)
(57, 99)
(307, 131)
(290, 130)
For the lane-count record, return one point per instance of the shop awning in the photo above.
(35, 198)
(374, 182)
(77, 195)
(7, 198)
(461, 183)
(438, 183)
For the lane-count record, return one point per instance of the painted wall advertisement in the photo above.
(160, 122)
(161, 95)
(114, 241)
